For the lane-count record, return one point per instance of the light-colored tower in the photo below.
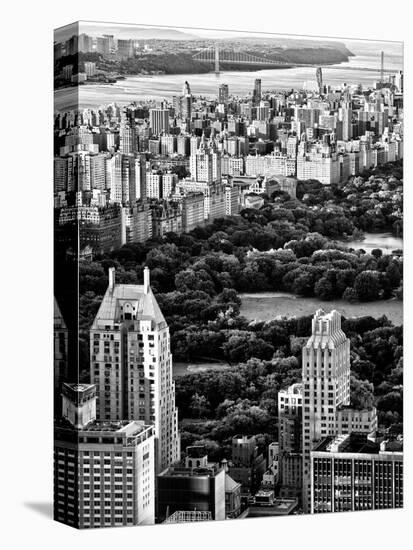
(205, 163)
(185, 102)
(127, 139)
(326, 385)
(131, 364)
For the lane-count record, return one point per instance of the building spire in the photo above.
(111, 278)
(146, 280)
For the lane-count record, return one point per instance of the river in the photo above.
(158, 87)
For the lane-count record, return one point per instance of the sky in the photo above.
(130, 31)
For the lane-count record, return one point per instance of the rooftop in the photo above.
(243, 438)
(138, 300)
(294, 389)
(230, 484)
(78, 388)
(356, 443)
(79, 393)
(279, 507)
(181, 471)
(326, 330)
(184, 516)
(127, 427)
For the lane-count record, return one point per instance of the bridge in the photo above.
(217, 55)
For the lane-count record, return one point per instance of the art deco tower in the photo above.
(131, 364)
(326, 385)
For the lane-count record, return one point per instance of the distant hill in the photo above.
(122, 31)
(137, 33)
(292, 43)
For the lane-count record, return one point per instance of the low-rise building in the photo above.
(247, 465)
(188, 489)
(350, 420)
(350, 472)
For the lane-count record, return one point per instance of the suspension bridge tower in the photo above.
(216, 59)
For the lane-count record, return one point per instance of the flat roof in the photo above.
(128, 427)
(181, 471)
(356, 443)
(280, 507)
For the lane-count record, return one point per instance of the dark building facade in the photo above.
(189, 489)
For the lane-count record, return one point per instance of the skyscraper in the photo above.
(223, 93)
(103, 45)
(85, 43)
(131, 364)
(159, 120)
(104, 471)
(256, 95)
(125, 49)
(326, 385)
(183, 103)
(126, 178)
(290, 404)
(205, 163)
(319, 76)
(127, 139)
(345, 115)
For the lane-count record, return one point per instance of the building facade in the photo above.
(104, 471)
(350, 473)
(188, 489)
(131, 364)
(326, 386)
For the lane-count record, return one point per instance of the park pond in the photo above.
(180, 368)
(385, 241)
(264, 306)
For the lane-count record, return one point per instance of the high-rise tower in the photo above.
(256, 95)
(159, 120)
(319, 76)
(223, 94)
(205, 163)
(131, 364)
(185, 102)
(326, 385)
